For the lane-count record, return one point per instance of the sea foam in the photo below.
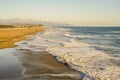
(78, 55)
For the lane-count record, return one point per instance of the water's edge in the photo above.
(20, 61)
(82, 59)
(81, 56)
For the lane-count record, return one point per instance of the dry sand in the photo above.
(11, 35)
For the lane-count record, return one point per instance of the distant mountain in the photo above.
(18, 21)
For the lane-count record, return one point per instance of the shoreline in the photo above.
(29, 65)
(45, 66)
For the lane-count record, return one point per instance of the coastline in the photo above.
(42, 65)
(8, 38)
(30, 65)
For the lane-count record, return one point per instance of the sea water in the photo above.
(94, 51)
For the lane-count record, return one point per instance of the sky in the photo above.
(76, 12)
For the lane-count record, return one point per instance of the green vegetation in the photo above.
(19, 26)
(7, 26)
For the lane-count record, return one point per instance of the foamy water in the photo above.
(78, 55)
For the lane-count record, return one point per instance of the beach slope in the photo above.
(8, 36)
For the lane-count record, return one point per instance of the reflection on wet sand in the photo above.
(9, 64)
(30, 65)
(42, 66)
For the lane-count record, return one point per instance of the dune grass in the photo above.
(11, 35)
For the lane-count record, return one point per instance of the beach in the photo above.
(64, 53)
(27, 64)
(87, 50)
(8, 36)
(30, 65)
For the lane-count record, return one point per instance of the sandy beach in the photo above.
(25, 64)
(30, 65)
(8, 36)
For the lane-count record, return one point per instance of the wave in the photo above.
(78, 55)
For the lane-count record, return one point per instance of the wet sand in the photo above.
(41, 65)
(31, 65)
(9, 64)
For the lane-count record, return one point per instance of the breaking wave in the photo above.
(78, 55)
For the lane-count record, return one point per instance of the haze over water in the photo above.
(76, 12)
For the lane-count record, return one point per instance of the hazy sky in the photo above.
(78, 12)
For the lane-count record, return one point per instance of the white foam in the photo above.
(76, 54)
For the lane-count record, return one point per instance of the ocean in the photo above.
(102, 38)
(94, 51)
